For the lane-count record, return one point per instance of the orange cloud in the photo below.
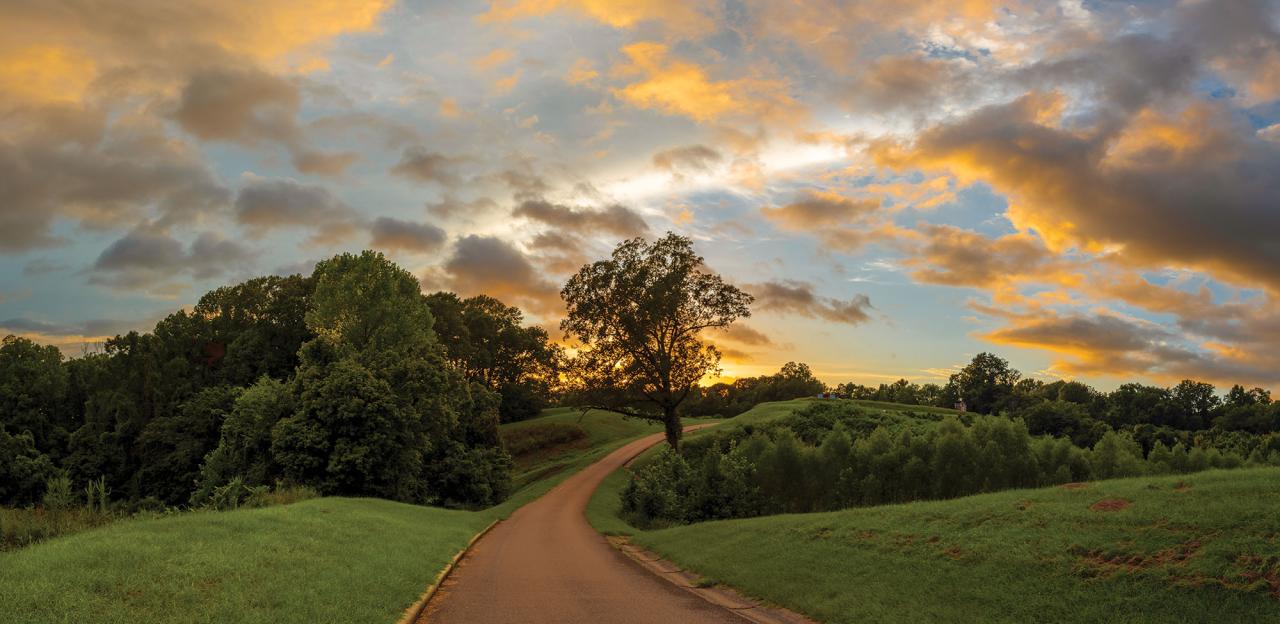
(677, 87)
(682, 16)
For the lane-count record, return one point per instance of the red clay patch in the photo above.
(1074, 486)
(1109, 504)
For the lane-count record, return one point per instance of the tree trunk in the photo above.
(672, 423)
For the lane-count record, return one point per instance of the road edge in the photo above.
(414, 612)
(717, 594)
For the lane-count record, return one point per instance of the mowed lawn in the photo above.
(322, 560)
(1203, 547)
(338, 560)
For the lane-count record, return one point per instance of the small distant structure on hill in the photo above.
(830, 395)
(961, 407)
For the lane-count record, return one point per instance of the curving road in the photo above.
(546, 564)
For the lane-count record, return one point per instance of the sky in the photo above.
(1090, 189)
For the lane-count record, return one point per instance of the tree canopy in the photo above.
(639, 316)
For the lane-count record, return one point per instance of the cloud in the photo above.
(956, 257)
(394, 234)
(420, 165)
(813, 209)
(324, 164)
(797, 297)
(238, 104)
(492, 266)
(451, 207)
(100, 176)
(1107, 344)
(744, 334)
(614, 219)
(688, 159)
(1141, 188)
(681, 16)
(150, 259)
(677, 87)
(266, 204)
(912, 82)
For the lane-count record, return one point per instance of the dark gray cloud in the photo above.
(398, 235)
(490, 265)
(249, 106)
(422, 165)
(615, 219)
(241, 104)
(151, 259)
(798, 297)
(265, 204)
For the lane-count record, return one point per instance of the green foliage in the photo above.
(639, 316)
(23, 469)
(97, 495)
(349, 436)
(59, 495)
(244, 445)
(539, 436)
(485, 339)
(33, 384)
(368, 306)
(176, 445)
(809, 462)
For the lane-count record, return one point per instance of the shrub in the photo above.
(535, 437)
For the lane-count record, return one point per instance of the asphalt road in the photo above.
(546, 564)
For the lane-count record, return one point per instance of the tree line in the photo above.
(824, 458)
(989, 385)
(348, 380)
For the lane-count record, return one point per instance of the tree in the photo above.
(985, 383)
(486, 340)
(32, 384)
(639, 316)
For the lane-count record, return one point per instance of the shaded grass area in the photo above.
(1192, 548)
(325, 560)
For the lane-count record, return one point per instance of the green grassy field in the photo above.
(326, 560)
(1203, 547)
(1194, 548)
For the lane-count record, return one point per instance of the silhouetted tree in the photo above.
(639, 316)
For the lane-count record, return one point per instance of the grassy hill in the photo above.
(1195, 548)
(323, 560)
(1203, 547)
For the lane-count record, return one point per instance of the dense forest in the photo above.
(349, 381)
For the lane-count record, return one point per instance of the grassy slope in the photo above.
(324, 560)
(1176, 554)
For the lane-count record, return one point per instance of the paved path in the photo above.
(546, 564)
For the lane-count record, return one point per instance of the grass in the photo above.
(1189, 548)
(1193, 548)
(324, 560)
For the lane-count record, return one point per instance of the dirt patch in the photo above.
(1103, 564)
(1074, 486)
(1109, 504)
(953, 553)
(1182, 487)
